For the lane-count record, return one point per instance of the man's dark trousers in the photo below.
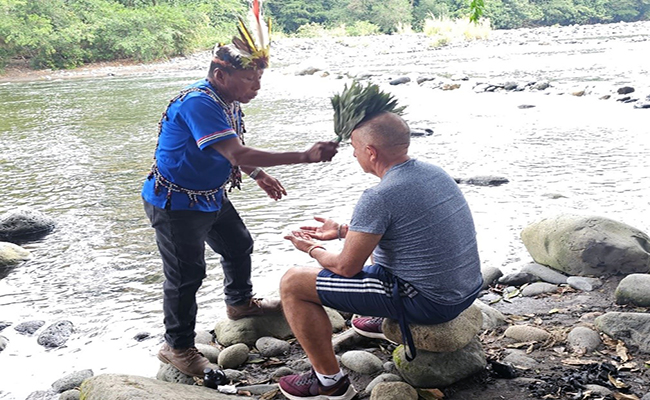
(181, 236)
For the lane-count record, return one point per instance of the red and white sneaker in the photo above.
(307, 386)
(369, 327)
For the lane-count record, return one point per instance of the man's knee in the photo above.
(297, 280)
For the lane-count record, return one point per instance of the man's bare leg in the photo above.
(308, 319)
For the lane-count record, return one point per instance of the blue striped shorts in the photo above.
(370, 293)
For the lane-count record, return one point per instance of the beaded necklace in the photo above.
(235, 173)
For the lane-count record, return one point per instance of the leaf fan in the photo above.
(356, 103)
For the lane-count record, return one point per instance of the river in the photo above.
(79, 150)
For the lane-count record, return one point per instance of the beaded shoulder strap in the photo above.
(235, 173)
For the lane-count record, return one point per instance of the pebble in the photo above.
(393, 391)
(203, 337)
(280, 372)
(520, 359)
(525, 333)
(584, 283)
(3, 343)
(599, 390)
(29, 327)
(56, 334)
(234, 375)
(382, 378)
(210, 352)
(169, 373)
(538, 288)
(517, 279)
(362, 362)
(72, 394)
(271, 347)
(233, 356)
(72, 380)
(490, 274)
(544, 273)
(634, 289)
(4, 324)
(583, 340)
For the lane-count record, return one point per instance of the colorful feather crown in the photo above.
(251, 49)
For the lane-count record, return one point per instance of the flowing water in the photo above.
(79, 150)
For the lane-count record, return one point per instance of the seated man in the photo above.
(420, 232)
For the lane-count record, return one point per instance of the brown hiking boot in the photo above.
(189, 361)
(254, 308)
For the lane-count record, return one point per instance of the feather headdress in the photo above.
(356, 104)
(251, 49)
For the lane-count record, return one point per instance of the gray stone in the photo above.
(632, 328)
(446, 337)
(72, 394)
(541, 86)
(519, 359)
(271, 347)
(233, 356)
(492, 318)
(280, 372)
(24, 224)
(430, 369)
(538, 288)
(346, 340)
(12, 254)
(634, 289)
(43, 395)
(544, 273)
(487, 180)
(72, 380)
(122, 387)
(490, 274)
(56, 335)
(142, 336)
(525, 333)
(257, 389)
(584, 283)
(517, 279)
(588, 246)
(625, 90)
(362, 362)
(399, 81)
(382, 378)
(394, 390)
(210, 352)
(248, 330)
(234, 375)
(599, 390)
(3, 343)
(647, 395)
(301, 365)
(4, 324)
(169, 373)
(29, 327)
(583, 340)
(203, 337)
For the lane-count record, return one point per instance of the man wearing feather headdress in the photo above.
(200, 151)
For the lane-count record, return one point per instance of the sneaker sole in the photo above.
(372, 335)
(349, 394)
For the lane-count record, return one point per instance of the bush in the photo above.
(444, 31)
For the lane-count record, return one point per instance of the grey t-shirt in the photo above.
(428, 237)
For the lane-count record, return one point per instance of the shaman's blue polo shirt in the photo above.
(184, 155)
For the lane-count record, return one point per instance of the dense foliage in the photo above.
(68, 33)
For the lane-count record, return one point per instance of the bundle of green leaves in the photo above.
(356, 104)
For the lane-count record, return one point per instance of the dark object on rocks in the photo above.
(23, 225)
(502, 370)
(422, 79)
(142, 336)
(483, 180)
(400, 80)
(525, 106)
(29, 327)
(573, 381)
(642, 105)
(4, 324)
(56, 334)
(421, 132)
(214, 378)
(625, 90)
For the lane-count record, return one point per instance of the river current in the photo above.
(79, 150)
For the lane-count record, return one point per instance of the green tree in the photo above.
(386, 14)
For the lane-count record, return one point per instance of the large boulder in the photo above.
(446, 337)
(248, 330)
(128, 387)
(588, 246)
(24, 224)
(435, 370)
(632, 328)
